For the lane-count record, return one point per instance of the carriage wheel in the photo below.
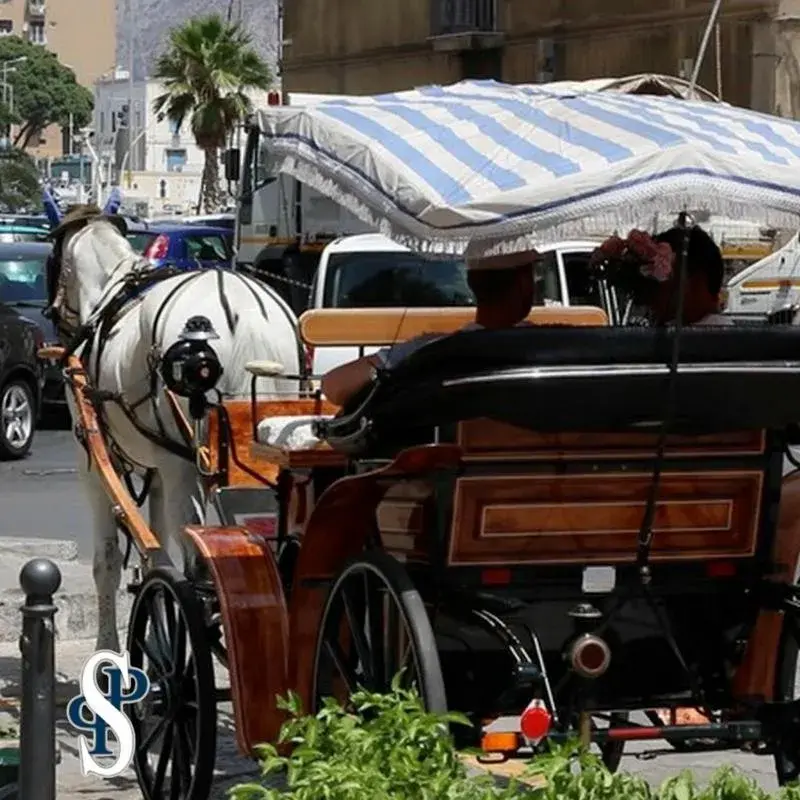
(787, 745)
(176, 726)
(374, 624)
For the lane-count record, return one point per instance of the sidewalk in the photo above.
(76, 625)
(70, 658)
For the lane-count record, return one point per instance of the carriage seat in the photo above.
(289, 433)
(370, 328)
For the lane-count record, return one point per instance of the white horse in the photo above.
(252, 323)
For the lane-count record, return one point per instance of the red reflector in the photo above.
(535, 721)
(495, 577)
(721, 569)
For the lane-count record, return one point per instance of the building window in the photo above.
(174, 128)
(162, 189)
(176, 160)
(36, 33)
(102, 122)
(6, 27)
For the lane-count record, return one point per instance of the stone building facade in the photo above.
(365, 47)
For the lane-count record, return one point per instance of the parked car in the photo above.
(183, 246)
(23, 288)
(23, 229)
(20, 381)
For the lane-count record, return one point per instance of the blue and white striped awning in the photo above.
(436, 167)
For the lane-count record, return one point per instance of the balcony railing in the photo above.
(453, 17)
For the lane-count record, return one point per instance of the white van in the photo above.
(769, 284)
(372, 271)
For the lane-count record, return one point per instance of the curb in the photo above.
(55, 549)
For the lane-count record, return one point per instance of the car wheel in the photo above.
(17, 419)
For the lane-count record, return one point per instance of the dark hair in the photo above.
(704, 257)
(494, 285)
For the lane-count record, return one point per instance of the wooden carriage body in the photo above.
(491, 507)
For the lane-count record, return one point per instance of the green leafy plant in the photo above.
(387, 747)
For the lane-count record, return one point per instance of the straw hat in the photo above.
(84, 214)
(476, 261)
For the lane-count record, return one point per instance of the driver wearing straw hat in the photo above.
(504, 291)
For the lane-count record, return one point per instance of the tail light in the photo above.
(590, 656)
(535, 721)
(158, 248)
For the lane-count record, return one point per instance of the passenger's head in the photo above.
(704, 275)
(503, 287)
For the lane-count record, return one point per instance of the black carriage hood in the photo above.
(589, 378)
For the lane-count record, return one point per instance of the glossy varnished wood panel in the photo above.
(541, 519)
(262, 460)
(364, 327)
(483, 439)
(341, 523)
(256, 627)
(755, 677)
(404, 520)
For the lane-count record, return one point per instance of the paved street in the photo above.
(41, 497)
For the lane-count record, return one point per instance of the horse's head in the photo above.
(87, 247)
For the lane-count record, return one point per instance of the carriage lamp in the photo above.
(190, 367)
(589, 656)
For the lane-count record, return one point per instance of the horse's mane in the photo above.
(109, 247)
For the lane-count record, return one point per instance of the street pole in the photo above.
(40, 579)
(131, 20)
(712, 21)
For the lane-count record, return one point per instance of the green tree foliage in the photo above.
(20, 188)
(45, 91)
(207, 70)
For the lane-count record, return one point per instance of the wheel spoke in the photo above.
(181, 769)
(339, 659)
(160, 631)
(186, 758)
(179, 645)
(376, 633)
(155, 662)
(356, 629)
(392, 649)
(163, 761)
(155, 732)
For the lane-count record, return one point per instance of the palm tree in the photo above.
(207, 70)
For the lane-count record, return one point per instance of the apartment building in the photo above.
(82, 33)
(365, 47)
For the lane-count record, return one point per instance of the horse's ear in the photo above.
(51, 209)
(114, 202)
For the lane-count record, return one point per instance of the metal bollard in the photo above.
(40, 579)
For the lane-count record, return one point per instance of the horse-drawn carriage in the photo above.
(564, 523)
